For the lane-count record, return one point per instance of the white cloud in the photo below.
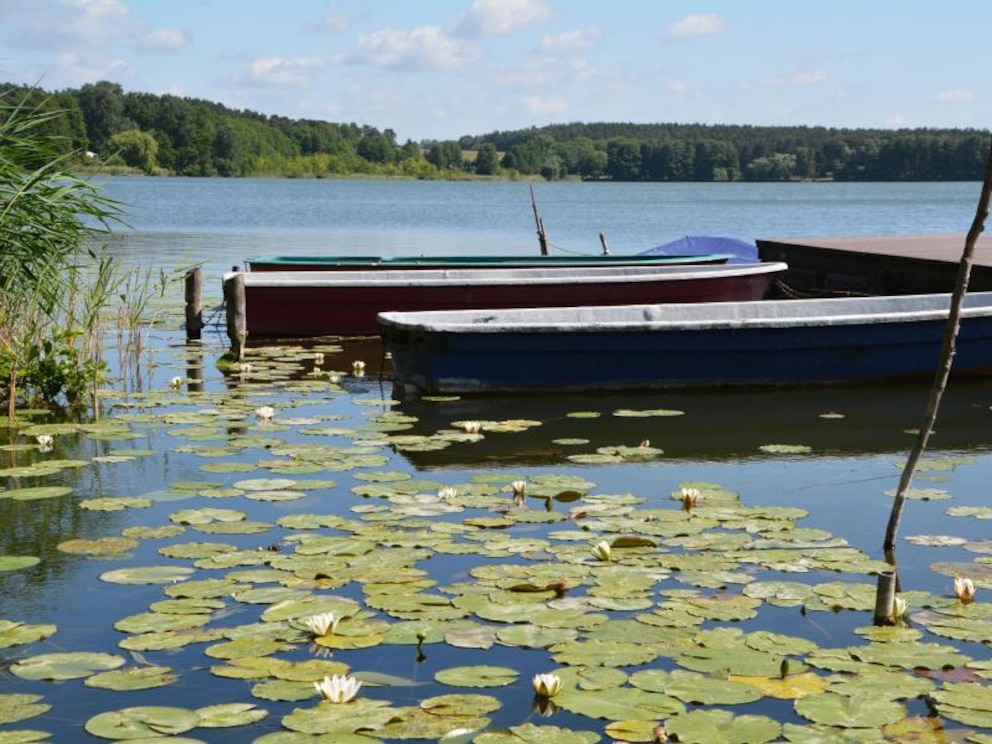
(76, 69)
(956, 94)
(709, 24)
(800, 79)
(539, 106)
(165, 39)
(427, 47)
(500, 17)
(97, 8)
(294, 73)
(570, 41)
(676, 88)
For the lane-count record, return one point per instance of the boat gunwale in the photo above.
(521, 276)
(674, 317)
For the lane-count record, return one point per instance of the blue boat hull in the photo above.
(545, 359)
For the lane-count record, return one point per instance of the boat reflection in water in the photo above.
(712, 426)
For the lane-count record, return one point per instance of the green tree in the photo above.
(136, 148)
(487, 160)
(102, 105)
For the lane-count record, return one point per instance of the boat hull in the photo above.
(787, 342)
(307, 304)
(372, 263)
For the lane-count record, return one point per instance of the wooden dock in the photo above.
(876, 265)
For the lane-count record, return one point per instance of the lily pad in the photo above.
(143, 722)
(72, 665)
(477, 676)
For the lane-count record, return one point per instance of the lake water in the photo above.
(224, 221)
(208, 473)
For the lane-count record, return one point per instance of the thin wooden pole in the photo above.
(194, 304)
(946, 357)
(542, 236)
(237, 325)
(602, 242)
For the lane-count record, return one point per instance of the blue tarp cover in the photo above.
(741, 250)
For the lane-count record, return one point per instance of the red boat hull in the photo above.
(297, 307)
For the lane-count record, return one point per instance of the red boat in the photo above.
(316, 303)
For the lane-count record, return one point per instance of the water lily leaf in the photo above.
(922, 494)
(265, 484)
(722, 727)
(18, 634)
(790, 687)
(65, 665)
(619, 703)
(418, 723)
(461, 705)
(20, 707)
(37, 493)
(144, 722)
(100, 546)
(478, 636)
(530, 733)
(786, 449)
(604, 653)
(135, 678)
(228, 467)
(147, 575)
(526, 635)
(700, 689)
(965, 702)
(206, 516)
(832, 709)
(911, 655)
(361, 714)
(17, 562)
(114, 503)
(632, 413)
(632, 731)
(477, 676)
(230, 714)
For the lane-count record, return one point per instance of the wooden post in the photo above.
(602, 242)
(885, 598)
(194, 304)
(234, 301)
(542, 236)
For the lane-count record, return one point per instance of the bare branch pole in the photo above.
(542, 237)
(946, 358)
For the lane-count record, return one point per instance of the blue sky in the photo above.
(438, 69)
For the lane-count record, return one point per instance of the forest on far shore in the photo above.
(110, 129)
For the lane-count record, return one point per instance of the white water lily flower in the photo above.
(318, 358)
(265, 413)
(899, 607)
(358, 367)
(519, 487)
(45, 442)
(602, 551)
(340, 688)
(689, 497)
(472, 427)
(176, 382)
(322, 624)
(244, 366)
(447, 493)
(547, 685)
(964, 589)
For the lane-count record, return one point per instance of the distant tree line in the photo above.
(175, 135)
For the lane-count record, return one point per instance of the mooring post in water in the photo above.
(542, 236)
(194, 304)
(602, 242)
(885, 598)
(234, 301)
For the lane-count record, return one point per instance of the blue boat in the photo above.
(630, 347)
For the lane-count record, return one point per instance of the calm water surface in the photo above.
(857, 439)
